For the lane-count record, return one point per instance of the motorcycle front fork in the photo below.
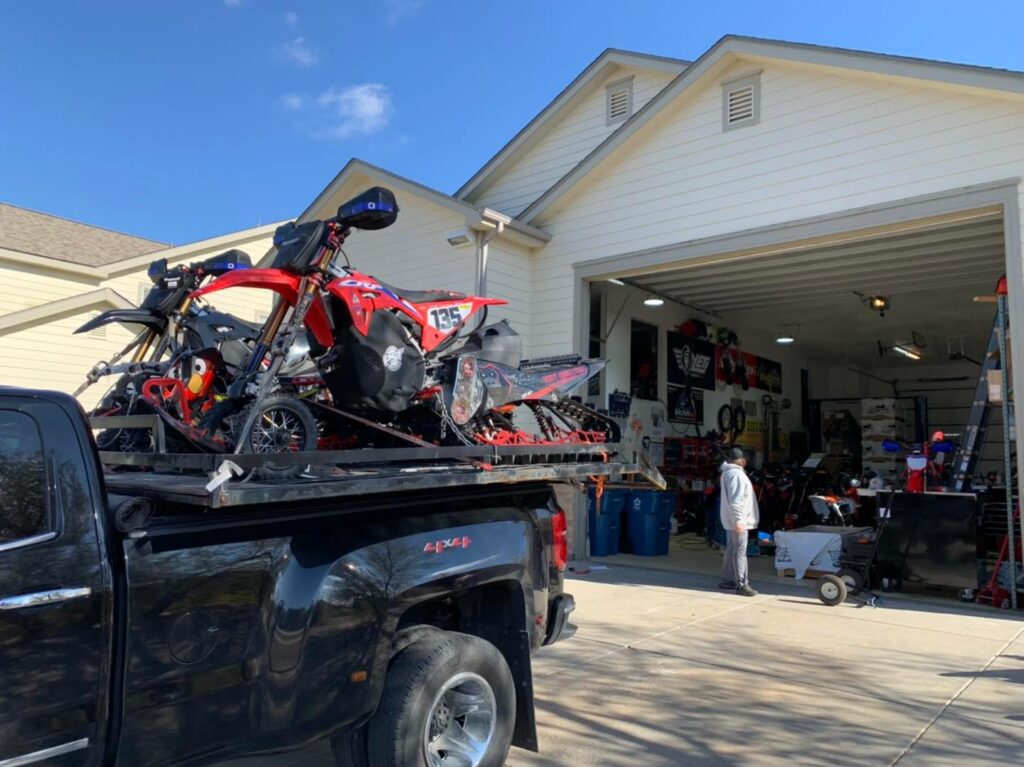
(277, 341)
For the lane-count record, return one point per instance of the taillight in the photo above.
(560, 532)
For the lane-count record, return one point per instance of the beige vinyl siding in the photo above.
(24, 286)
(244, 303)
(566, 143)
(413, 253)
(51, 356)
(826, 142)
(509, 270)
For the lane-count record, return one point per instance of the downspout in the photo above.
(483, 239)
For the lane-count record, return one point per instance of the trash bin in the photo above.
(603, 522)
(649, 520)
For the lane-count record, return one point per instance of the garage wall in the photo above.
(826, 142)
(563, 145)
(949, 401)
(669, 316)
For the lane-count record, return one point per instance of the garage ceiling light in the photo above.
(653, 301)
(786, 335)
(907, 351)
(614, 281)
(876, 303)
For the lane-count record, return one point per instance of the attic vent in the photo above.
(97, 332)
(741, 102)
(618, 100)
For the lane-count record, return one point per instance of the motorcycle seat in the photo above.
(424, 296)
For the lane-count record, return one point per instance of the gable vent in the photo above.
(741, 102)
(618, 100)
(99, 332)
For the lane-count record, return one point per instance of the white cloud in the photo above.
(293, 102)
(291, 19)
(402, 10)
(299, 52)
(358, 110)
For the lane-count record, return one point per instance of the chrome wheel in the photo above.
(460, 724)
(278, 430)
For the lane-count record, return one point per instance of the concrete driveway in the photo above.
(667, 670)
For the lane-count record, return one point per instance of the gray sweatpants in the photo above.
(734, 563)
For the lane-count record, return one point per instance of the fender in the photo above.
(129, 316)
(439, 320)
(286, 285)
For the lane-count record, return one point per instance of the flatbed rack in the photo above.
(217, 481)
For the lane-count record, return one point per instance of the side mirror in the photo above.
(376, 208)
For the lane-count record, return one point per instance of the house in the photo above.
(55, 274)
(771, 188)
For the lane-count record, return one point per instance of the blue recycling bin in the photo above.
(649, 520)
(603, 521)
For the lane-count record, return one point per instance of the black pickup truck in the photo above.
(139, 628)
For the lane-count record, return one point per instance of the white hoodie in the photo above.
(738, 503)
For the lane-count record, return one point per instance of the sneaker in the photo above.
(727, 585)
(745, 591)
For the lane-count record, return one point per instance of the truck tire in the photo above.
(449, 694)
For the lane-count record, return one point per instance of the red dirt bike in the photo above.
(925, 462)
(389, 361)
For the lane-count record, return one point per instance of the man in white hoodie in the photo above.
(739, 512)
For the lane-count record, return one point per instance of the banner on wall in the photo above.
(691, 362)
(747, 371)
(684, 409)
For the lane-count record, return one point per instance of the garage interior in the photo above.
(859, 348)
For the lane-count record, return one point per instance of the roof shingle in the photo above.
(41, 234)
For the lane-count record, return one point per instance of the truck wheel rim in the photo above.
(460, 724)
(829, 590)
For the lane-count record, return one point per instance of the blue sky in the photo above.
(183, 119)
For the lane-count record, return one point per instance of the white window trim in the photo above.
(627, 83)
(750, 80)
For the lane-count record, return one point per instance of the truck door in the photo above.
(53, 657)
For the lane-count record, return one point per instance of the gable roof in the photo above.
(41, 234)
(475, 217)
(608, 58)
(733, 47)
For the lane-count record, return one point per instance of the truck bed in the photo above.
(210, 481)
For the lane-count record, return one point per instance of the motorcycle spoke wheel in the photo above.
(277, 431)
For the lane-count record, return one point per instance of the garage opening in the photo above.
(847, 369)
